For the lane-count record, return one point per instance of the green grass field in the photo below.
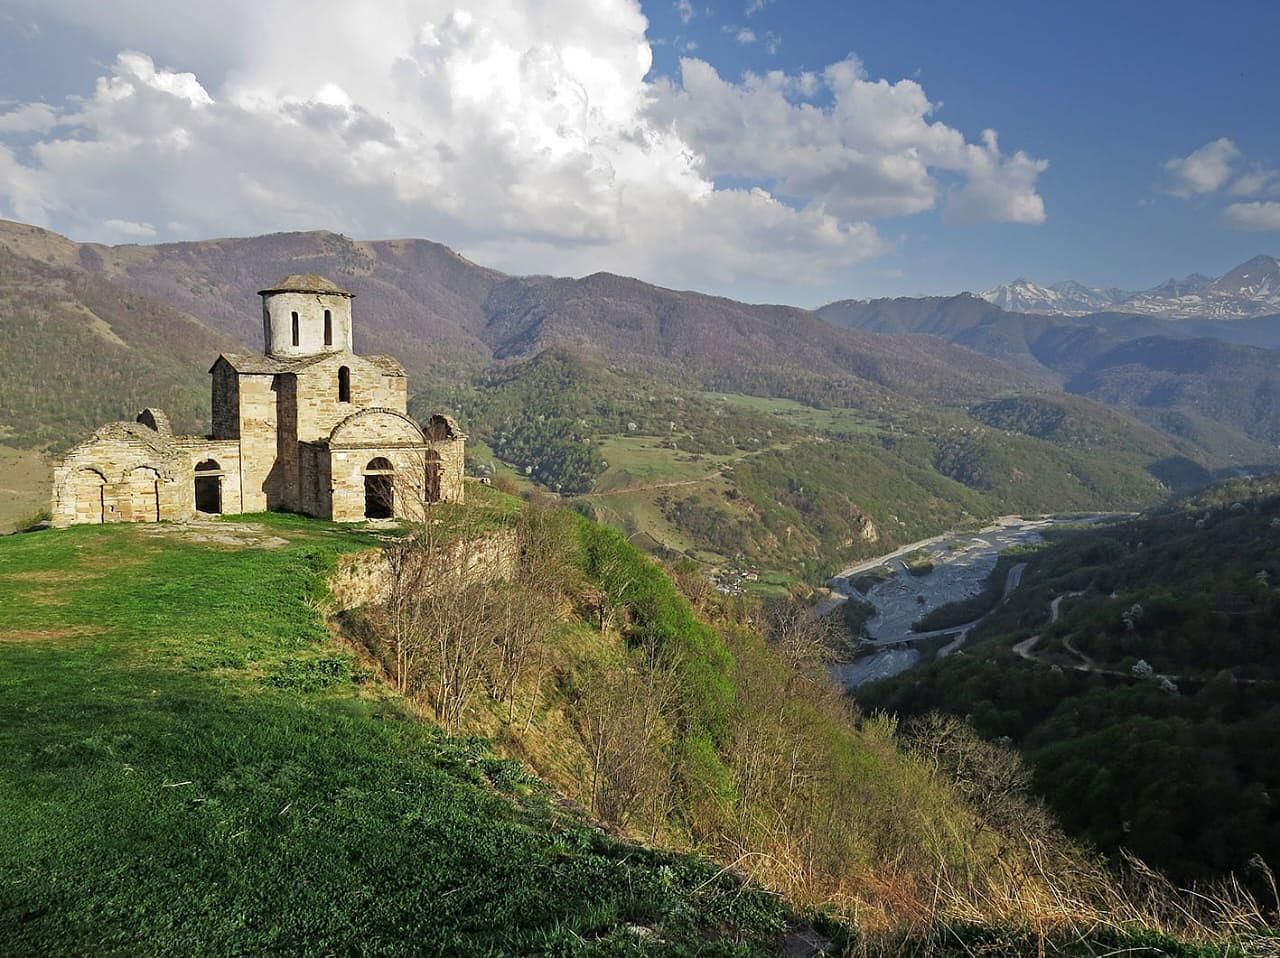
(190, 763)
(643, 461)
(800, 416)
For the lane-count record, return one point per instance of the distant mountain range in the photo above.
(1251, 289)
(715, 428)
(95, 332)
(1209, 381)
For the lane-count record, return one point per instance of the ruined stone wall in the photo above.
(363, 577)
(121, 475)
(452, 468)
(258, 478)
(226, 453)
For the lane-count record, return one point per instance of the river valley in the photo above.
(961, 563)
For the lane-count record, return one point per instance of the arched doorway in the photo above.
(379, 489)
(431, 470)
(143, 504)
(209, 487)
(87, 487)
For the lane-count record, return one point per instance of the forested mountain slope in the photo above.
(1147, 703)
(1173, 374)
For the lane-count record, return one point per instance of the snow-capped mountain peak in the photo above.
(1251, 289)
(1258, 277)
(1068, 298)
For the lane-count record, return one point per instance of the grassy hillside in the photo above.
(24, 489)
(1148, 705)
(191, 764)
(80, 352)
(190, 760)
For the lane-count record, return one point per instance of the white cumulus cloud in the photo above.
(1257, 181)
(1259, 215)
(527, 134)
(1205, 170)
(874, 151)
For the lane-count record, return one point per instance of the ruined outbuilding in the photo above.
(307, 426)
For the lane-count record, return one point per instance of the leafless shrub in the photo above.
(804, 643)
(625, 717)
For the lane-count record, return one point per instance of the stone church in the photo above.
(308, 426)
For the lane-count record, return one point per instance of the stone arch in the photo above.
(376, 426)
(379, 489)
(86, 486)
(156, 420)
(141, 501)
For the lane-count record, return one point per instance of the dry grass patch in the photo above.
(49, 635)
(53, 575)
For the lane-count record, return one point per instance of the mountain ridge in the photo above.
(1249, 290)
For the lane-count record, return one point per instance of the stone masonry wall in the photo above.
(277, 311)
(362, 577)
(319, 408)
(226, 401)
(226, 453)
(348, 468)
(118, 477)
(316, 497)
(257, 441)
(452, 468)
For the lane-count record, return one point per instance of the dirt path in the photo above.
(627, 490)
(1026, 649)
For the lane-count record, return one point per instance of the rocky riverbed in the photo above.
(961, 563)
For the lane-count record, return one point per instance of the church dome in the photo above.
(305, 283)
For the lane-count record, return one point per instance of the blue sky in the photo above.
(539, 136)
(1106, 91)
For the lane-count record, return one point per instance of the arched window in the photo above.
(295, 329)
(328, 328)
(344, 384)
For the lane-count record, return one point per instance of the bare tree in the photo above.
(401, 619)
(626, 717)
(805, 643)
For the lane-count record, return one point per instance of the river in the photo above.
(961, 563)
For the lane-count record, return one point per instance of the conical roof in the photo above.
(305, 283)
